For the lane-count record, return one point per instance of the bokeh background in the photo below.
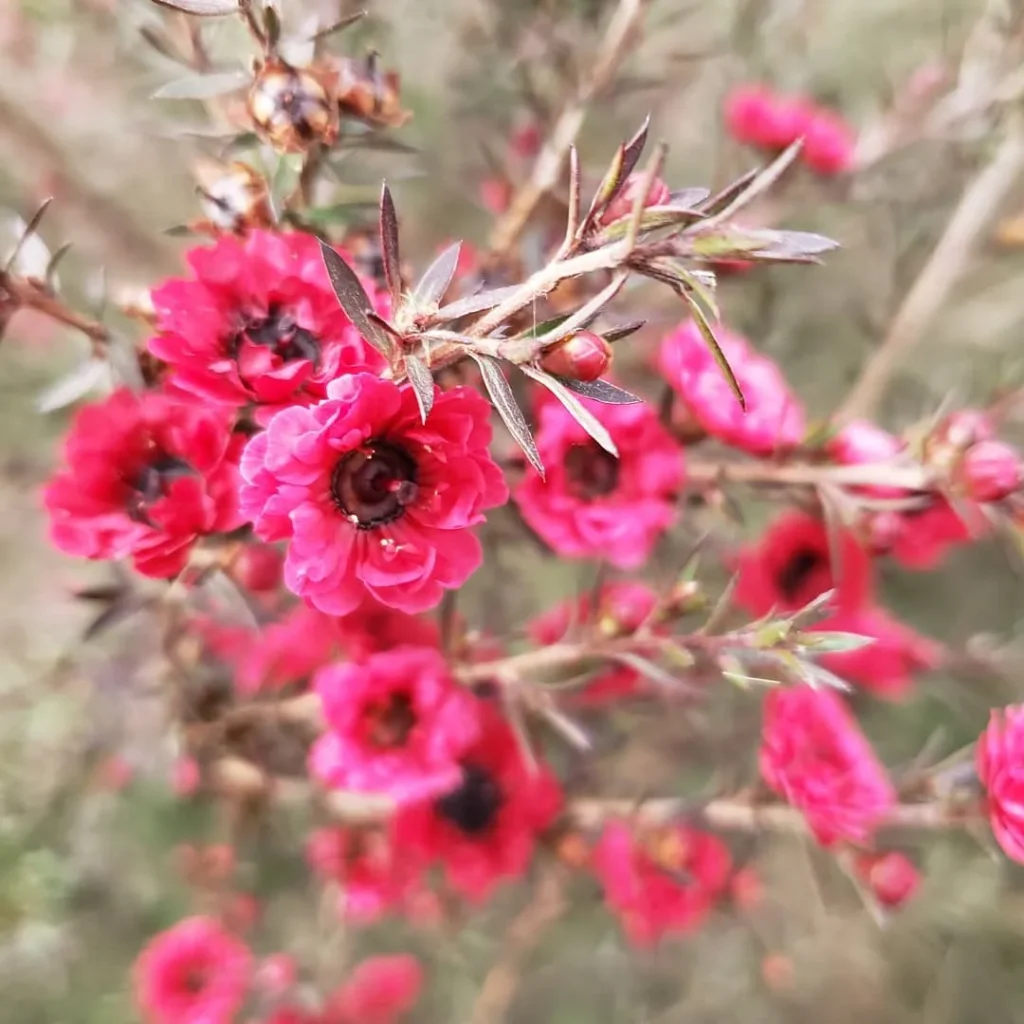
(89, 829)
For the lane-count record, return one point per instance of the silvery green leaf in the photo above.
(508, 408)
(77, 384)
(599, 391)
(390, 255)
(203, 87)
(477, 303)
(354, 300)
(579, 412)
(829, 642)
(438, 276)
(422, 381)
(202, 8)
(708, 334)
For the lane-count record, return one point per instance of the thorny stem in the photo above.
(550, 160)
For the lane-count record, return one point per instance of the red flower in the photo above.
(892, 877)
(662, 882)
(814, 755)
(259, 324)
(773, 419)
(592, 504)
(146, 477)
(484, 830)
(791, 565)
(397, 724)
(194, 973)
(829, 144)
(378, 991)
(990, 470)
(928, 534)
(758, 116)
(623, 607)
(374, 502)
(1000, 764)
(374, 627)
(371, 875)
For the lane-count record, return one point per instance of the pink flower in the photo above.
(622, 205)
(991, 470)
(373, 502)
(791, 565)
(861, 442)
(145, 478)
(193, 973)
(374, 627)
(928, 534)
(485, 829)
(622, 608)
(760, 117)
(259, 324)
(892, 877)
(372, 876)
(829, 144)
(397, 725)
(379, 991)
(773, 419)
(1000, 764)
(663, 882)
(592, 504)
(815, 757)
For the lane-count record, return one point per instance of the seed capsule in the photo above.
(234, 198)
(291, 109)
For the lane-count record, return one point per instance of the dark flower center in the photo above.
(473, 807)
(150, 483)
(591, 471)
(797, 571)
(389, 722)
(196, 978)
(279, 332)
(374, 484)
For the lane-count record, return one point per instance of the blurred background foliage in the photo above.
(90, 857)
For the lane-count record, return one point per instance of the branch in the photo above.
(883, 474)
(26, 293)
(552, 156)
(947, 264)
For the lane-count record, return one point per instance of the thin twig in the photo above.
(550, 160)
(948, 262)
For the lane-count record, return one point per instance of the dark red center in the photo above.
(374, 484)
(474, 806)
(389, 723)
(150, 483)
(279, 332)
(798, 570)
(591, 472)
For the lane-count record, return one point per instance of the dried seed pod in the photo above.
(365, 92)
(291, 108)
(234, 198)
(582, 356)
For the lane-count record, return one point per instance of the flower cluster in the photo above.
(759, 116)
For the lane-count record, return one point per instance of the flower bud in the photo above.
(582, 356)
(258, 568)
(990, 471)
(891, 877)
(235, 197)
(964, 428)
(366, 93)
(622, 205)
(291, 109)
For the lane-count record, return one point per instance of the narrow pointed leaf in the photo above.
(652, 672)
(725, 196)
(508, 409)
(422, 381)
(634, 149)
(438, 276)
(688, 198)
(767, 245)
(599, 391)
(55, 261)
(761, 182)
(354, 300)
(339, 26)
(613, 334)
(27, 233)
(606, 191)
(272, 26)
(74, 386)
(477, 303)
(579, 412)
(203, 8)
(203, 87)
(389, 246)
(708, 334)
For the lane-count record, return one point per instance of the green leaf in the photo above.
(711, 341)
(832, 642)
(203, 87)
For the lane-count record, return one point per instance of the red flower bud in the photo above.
(622, 205)
(991, 470)
(891, 877)
(582, 356)
(258, 568)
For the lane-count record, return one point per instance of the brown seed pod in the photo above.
(292, 108)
